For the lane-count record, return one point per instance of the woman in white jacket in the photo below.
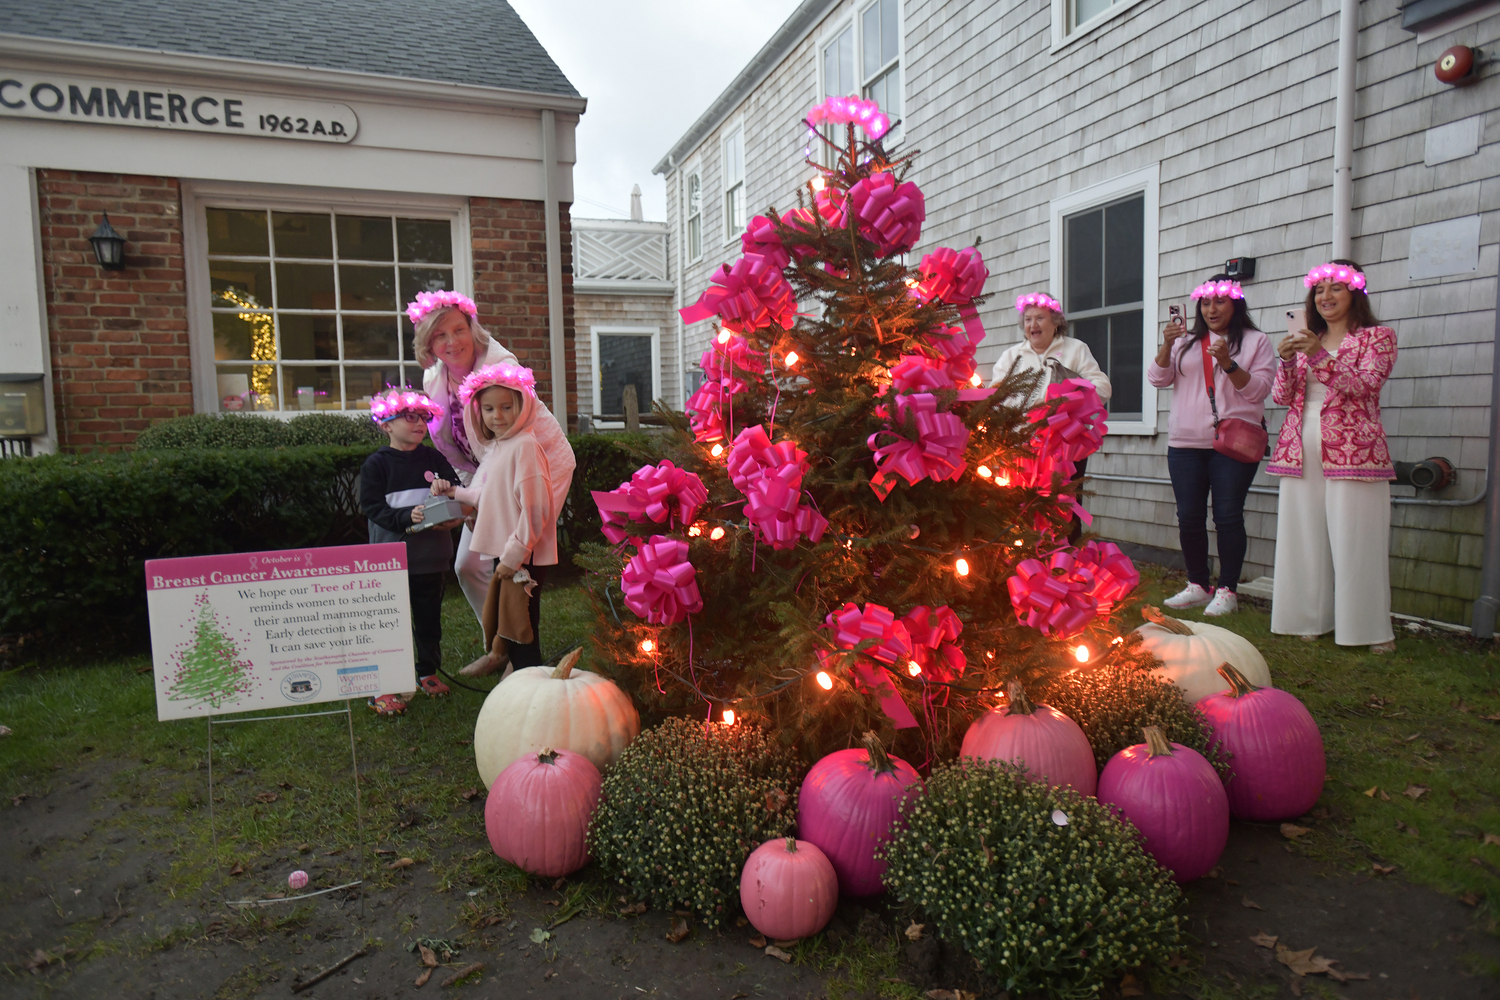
(1045, 339)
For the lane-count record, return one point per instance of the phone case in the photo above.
(1296, 321)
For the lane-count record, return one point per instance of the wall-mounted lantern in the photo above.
(109, 246)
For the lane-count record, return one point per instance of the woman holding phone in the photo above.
(1334, 525)
(1221, 373)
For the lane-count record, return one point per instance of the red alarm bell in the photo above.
(1456, 65)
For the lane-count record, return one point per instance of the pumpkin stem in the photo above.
(1156, 742)
(564, 669)
(880, 761)
(1154, 616)
(547, 756)
(1239, 684)
(791, 845)
(1019, 703)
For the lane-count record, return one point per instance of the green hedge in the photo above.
(83, 526)
(235, 430)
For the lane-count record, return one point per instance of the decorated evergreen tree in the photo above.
(209, 669)
(849, 530)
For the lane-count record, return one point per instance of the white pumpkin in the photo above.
(565, 709)
(1191, 652)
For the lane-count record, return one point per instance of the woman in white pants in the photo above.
(1334, 516)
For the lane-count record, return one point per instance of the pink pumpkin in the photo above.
(1050, 745)
(788, 889)
(538, 810)
(1174, 798)
(847, 806)
(1274, 746)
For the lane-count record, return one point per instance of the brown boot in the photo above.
(484, 666)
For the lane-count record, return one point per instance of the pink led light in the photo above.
(1038, 299)
(1219, 290)
(392, 403)
(510, 376)
(852, 110)
(427, 302)
(1352, 277)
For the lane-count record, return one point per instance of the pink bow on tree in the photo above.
(654, 493)
(1076, 429)
(705, 409)
(659, 583)
(955, 277)
(770, 477)
(1115, 576)
(890, 214)
(935, 452)
(761, 238)
(934, 637)
(1055, 597)
(956, 348)
(747, 295)
(851, 626)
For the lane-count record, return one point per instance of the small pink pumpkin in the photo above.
(847, 805)
(1050, 745)
(1174, 798)
(788, 889)
(1274, 745)
(538, 810)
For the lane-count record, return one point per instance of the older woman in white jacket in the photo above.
(1045, 339)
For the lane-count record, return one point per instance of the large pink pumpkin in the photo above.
(847, 805)
(1274, 745)
(538, 810)
(1174, 798)
(788, 889)
(1049, 743)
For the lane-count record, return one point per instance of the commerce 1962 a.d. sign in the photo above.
(189, 109)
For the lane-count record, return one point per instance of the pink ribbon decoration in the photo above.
(890, 214)
(1115, 576)
(957, 349)
(852, 625)
(762, 239)
(770, 477)
(747, 295)
(659, 583)
(830, 204)
(1076, 428)
(955, 277)
(650, 495)
(705, 409)
(1056, 598)
(725, 360)
(801, 221)
(934, 636)
(937, 452)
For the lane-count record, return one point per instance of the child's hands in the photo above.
(417, 514)
(442, 488)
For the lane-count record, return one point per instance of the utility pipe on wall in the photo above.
(1343, 129)
(1482, 618)
(550, 207)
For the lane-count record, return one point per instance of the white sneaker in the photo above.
(1225, 602)
(1191, 596)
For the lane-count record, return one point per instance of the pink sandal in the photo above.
(433, 687)
(388, 704)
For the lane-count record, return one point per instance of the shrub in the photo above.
(334, 429)
(85, 525)
(1112, 703)
(683, 808)
(604, 462)
(1042, 886)
(244, 430)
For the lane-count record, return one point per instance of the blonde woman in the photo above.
(450, 344)
(1045, 340)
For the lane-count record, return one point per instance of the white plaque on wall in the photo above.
(1452, 141)
(1447, 247)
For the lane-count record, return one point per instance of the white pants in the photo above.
(474, 572)
(1333, 540)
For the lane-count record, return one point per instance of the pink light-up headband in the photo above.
(391, 404)
(1350, 276)
(1219, 290)
(508, 375)
(866, 114)
(1038, 299)
(429, 302)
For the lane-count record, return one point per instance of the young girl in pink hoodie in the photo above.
(512, 490)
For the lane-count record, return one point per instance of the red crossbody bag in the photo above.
(1239, 439)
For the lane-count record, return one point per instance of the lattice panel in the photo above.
(603, 253)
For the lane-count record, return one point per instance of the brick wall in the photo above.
(510, 286)
(119, 339)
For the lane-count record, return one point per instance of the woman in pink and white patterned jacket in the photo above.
(1334, 518)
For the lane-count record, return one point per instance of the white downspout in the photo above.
(557, 345)
(682, 393)
(1343, 129)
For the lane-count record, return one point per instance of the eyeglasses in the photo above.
(412, 417)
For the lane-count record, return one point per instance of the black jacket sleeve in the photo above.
(442, 468)
(374, 484)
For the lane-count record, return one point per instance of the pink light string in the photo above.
(1042, 299)
(852, 110)
(391, 404)
(427, 302)
(1219, 290)
(1349, 276)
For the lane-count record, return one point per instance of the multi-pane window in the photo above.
(880, 44)
(1103, 256)
(624, 359)
(307, 306)
(838, 65)
(694, 215)
(734, 184)
(1083, 11)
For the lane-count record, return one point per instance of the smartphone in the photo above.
(1296, 321)
(1175, 312)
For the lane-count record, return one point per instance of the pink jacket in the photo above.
(1191, 421)
(512, 490)
(1353, 439)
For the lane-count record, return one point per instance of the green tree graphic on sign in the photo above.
(208, 668)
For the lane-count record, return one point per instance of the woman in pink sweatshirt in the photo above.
(512, 490)
(1224, 342)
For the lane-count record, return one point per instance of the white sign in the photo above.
(1447, 247)
(257, 630)
(57, 97)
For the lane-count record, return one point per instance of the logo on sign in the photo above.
(359, 680)
(301, 685)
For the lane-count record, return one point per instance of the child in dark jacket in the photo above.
(394, 489)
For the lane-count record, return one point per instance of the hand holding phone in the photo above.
(1175, 326)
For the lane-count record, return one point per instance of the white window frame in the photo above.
(693, 171)
(199, 196)
(1145, 181)
(1062, 37)
(732, 236)
(654, 332)
(855, 19)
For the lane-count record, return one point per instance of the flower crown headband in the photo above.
(1353, 277)
(392, 403)
(1219, 290)
(430, 302)
(508, 375)
(852, 110)
(1038, 299)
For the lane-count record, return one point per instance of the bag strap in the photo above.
(1208, 380)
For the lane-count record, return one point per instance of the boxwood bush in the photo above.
(244, 430)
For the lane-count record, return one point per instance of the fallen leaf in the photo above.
(539, 936)
(429, 959)
(1251, 904)
(1491, 718)
(1381, 869)
(267, 797)
(464, 973)
(759, 941)
(739, 996)
(634, 909)
(1371, 793)
(1130, 986)
(1295, 986)
(286, 786)
(678, 930)
(914, 932)
(238, 869)
(1230, 881)
(739, 921)
(400, 863)
(1303, 963)
(1413, 736)
(776, 952)
(1292, 831)
(1383, 796)
(786, 942)
(1175, 961)
(382, 850)
(776, 800)
(1215, 872)
(548, 974)
(1265, 940)
(559, 884)
(469, 794)
(1415, 792)
(1491, 838)
(1345, 977)
(1469, 899)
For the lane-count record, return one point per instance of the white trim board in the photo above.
(596, 376)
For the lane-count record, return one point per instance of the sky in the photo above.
(649, 68)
